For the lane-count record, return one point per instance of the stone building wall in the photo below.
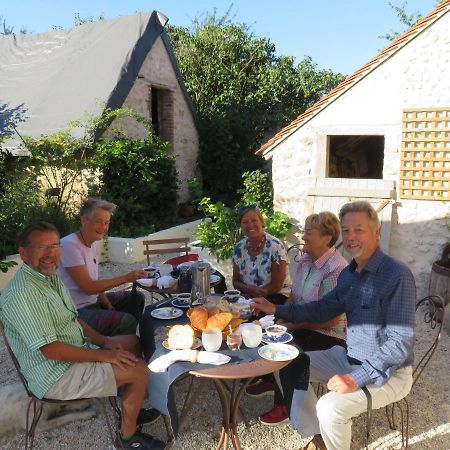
(157, 72)
(415, 77)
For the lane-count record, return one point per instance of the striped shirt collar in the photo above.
(320, 262)
(38, 276)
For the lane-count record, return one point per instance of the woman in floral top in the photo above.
(260, 262)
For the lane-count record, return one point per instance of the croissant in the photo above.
(213, 311)
(198, 317)
(235, 322)
(219, 321)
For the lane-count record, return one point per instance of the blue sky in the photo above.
(337, 34)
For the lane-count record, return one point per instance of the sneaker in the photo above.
(276, 416)
(148, 416)
(145, 416)
(141, 441)
(260, 389)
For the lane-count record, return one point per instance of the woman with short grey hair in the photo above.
(110, 313)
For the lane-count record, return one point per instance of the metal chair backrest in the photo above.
(14, 360)
(35, 405)
(432, 307)
(296, 250)
(156, 247)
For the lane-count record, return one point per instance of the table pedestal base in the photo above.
(230, 410)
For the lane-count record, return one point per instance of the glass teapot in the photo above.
(201, 274)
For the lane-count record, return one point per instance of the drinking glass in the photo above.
(234, 340)
(212, 339)
(252, 335)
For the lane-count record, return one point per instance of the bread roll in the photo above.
(198, 317)
(180, 337)
(219, 321)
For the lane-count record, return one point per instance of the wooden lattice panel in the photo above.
(425, 154)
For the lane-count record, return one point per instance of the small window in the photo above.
(355, 156)
(161, 111)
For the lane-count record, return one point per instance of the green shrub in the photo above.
(257, 190)
(60, 162)
(220, 234)
(195, 189)
(137, 175)
(17, 201)
(21, 204)
(140, 178)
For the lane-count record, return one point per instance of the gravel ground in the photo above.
(429, 414)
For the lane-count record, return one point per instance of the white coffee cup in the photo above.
(232, 295)
(151, 270)
(184, 298)
(251, 334)
(211, 339)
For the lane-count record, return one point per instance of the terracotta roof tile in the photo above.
(352, 79)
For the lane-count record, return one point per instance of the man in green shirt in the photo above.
(60, 356)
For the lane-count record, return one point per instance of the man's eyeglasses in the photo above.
(52, 247)
(243, 209)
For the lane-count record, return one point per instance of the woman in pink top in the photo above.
(316, 274)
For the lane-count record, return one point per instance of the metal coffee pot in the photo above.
(201, 274)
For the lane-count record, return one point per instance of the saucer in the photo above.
(283, 339)
(166, 313)
(180, 303)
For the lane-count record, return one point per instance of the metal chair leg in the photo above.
(170, 436)
(114, 406)
(31, 428)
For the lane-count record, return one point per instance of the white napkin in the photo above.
(163, 362)
(267, 321)
(165, 282)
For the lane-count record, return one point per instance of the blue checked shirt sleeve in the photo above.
(398, 308)
(328, 307)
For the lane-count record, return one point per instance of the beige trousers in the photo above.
(335, 411)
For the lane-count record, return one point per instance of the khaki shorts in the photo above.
(84, 380)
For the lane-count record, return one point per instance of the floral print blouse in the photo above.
(257, 270)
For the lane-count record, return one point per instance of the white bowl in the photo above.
(276, 330)
(232, 295)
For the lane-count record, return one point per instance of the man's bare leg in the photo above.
(134, 380)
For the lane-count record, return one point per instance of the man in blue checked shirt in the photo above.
(377, 293)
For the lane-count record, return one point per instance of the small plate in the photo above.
(166, 313)
(197, 344)
(278, 352)
(284, 339)
(214, 279)
(180, 303)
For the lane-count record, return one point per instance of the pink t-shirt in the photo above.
(74, 253)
